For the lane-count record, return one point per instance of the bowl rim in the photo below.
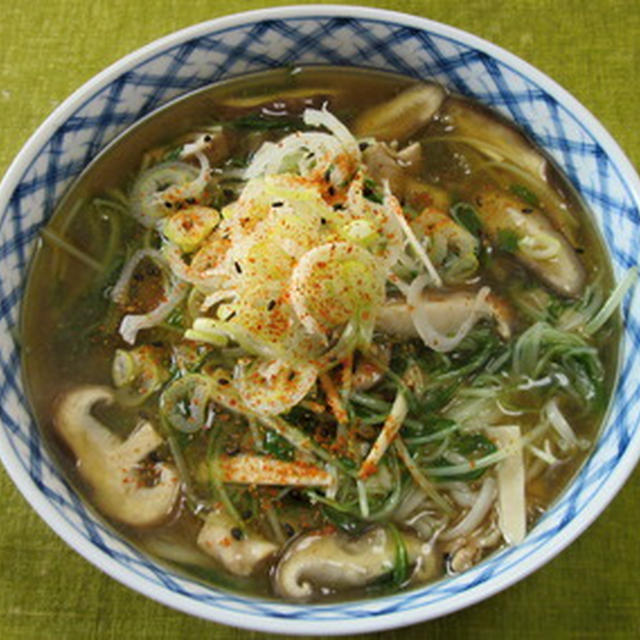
(375, 621)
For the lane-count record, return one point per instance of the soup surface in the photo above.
(321, 333)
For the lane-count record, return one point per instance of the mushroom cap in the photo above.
(110, 465)
(562, 271)
(446, 312)
(402, 116)
(319, 561)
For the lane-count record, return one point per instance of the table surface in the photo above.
(49, 48)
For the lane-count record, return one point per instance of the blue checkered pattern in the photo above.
(258, 45)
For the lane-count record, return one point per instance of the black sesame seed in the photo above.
(363, 145)
(323, 221)
(279, 203)
(527, 210)
(230, 316)
(223, 382)
(338, 207)
(271, 305)
(238, 267)
(168, 204)
(207, 138)
(579, 250)
(237, 533)
(331, 191)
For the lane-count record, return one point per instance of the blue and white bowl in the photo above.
(175, 65)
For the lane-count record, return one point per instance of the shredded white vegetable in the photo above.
(324, 118)
(568, 438)
(613, 302)
(414, 243)
(131, 324)
(476, 514)
(312, 153)
(420, 317)
(512, 508)
(216, 297)
(398, 413)
(119, 291)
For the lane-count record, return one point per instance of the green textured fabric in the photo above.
(50, 47)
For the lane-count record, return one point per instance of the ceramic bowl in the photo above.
(229, 47)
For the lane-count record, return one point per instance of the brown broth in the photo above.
(64, 348)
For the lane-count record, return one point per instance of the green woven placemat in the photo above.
(50, 48)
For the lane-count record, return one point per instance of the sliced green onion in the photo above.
(609, 307)
(418, 477)
(215, 477)
(401, 557)
(184, 402)
(59, 242)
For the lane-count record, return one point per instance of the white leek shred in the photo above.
(201, 143)
(216, 297)
(362, 499)
(418, 477)
(420, 317)
(612, 303)
(324, 118)
(332, 490)
(311, 152)
(414, 498)
(413, 241)
(131, 324)
(207, 281)
(195, 188)
(392, 424)
(568, 438)
(461, 493)
(476, 514)
(545, 454)
(121, 287)
(512, 510)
